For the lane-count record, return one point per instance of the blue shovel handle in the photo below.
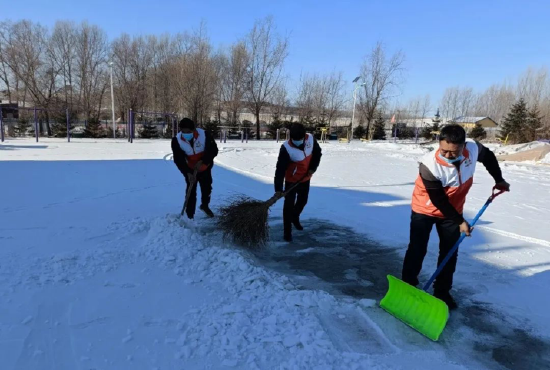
(462, 237)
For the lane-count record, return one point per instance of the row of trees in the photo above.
(69, 66)
(530, 96)
(531, 93)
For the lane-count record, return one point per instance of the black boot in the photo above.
(447, 298)
(206, 210)
(288, 237)
(297, 224)
(288, 232)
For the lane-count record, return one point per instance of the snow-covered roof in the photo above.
(469, 119)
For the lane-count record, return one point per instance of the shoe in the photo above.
(447, 298)
(297, 224)
(288, 237)
(206, 210)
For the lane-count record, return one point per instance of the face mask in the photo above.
(187, 137)
(297, 142)
(451, 161)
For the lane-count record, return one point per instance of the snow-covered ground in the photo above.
(97, 271)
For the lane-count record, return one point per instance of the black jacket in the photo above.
(284, 161)
(437, 194)
(180, 158)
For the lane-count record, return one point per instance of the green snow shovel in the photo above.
(417, 308)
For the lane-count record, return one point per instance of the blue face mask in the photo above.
(451, 161)
(297, 142)
(188, 137)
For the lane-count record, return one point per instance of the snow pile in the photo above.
(511, 149)
(533, 152)
(263, 317)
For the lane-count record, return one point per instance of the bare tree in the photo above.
(6, 75)
(91, 68)
(160, 84)
(450, 103)
(381, 77)
(334, 97)
(495, 102)
(466, 100)
(234, 80)
(280, 102)
(267, 52)
(197, 77)
(425, 107)
(132, 59)
(27, 54)
(533, 86)
(413, 109)
(320, 99)
(306, 99)
(63, 47)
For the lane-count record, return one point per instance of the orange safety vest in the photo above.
(456, 181)
(300, 160)
(196, 152)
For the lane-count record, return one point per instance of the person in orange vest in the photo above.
(445, 177)
(298, 160)
(195, 149)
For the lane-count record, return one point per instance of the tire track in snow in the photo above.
(528, 239)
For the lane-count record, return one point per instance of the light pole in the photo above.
(356, 86)
(113, 101)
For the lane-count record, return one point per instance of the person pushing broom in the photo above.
(194, 150)
(446, 176)
(298, 160)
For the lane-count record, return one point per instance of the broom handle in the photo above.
(189, 190)
(271, 201)
(462, 237)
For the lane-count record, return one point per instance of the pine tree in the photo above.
(22, 127)
(275, 125)
(379, 132)
(534, 122)
(148, 131)
(359, 132)
(405, 132)
(478, 132)
(109, 132)
(213, 127)
(515, 124)
(59, 128)
(427, 131)
(94, 129)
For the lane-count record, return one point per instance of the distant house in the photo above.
(9, 111)
(471, 122)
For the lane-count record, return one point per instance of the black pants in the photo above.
(449, 233)
(205, 181)
(295, 202)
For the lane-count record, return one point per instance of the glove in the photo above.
(503, 185)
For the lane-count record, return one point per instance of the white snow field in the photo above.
(97, 270)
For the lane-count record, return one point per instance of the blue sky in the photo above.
(446, 42)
